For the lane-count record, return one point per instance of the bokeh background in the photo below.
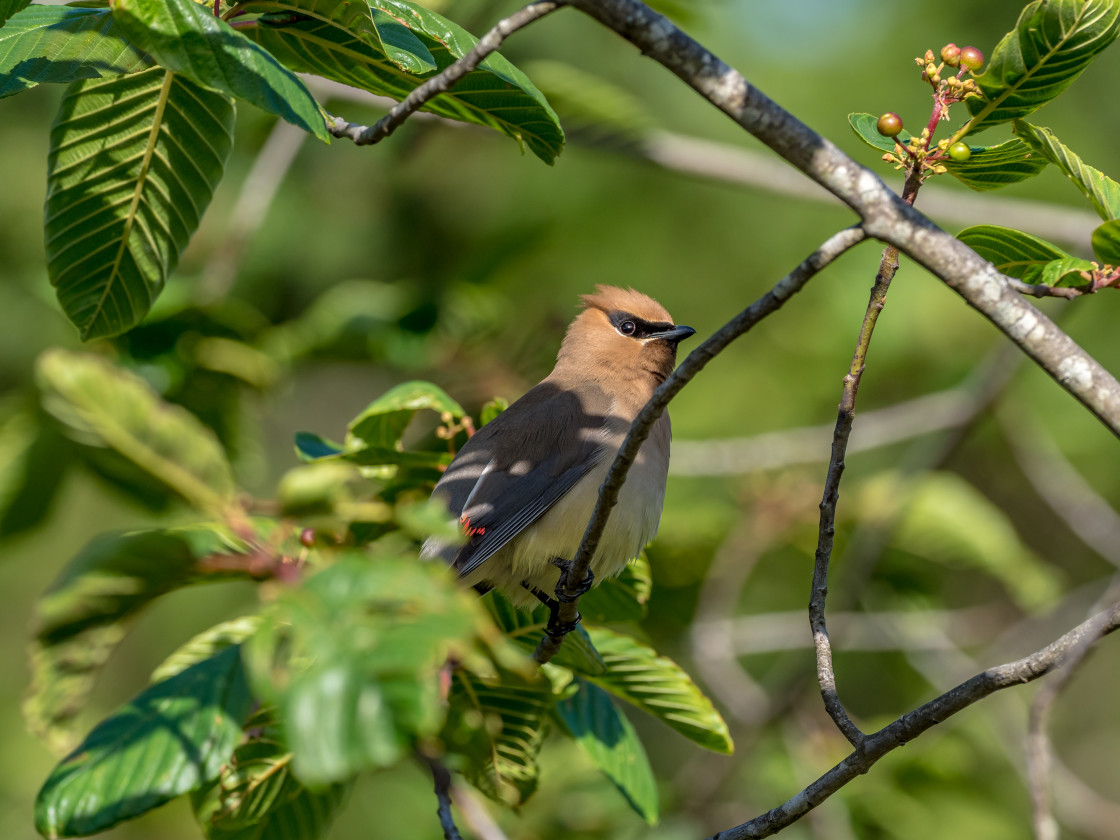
(446, 254)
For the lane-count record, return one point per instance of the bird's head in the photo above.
(622, 335)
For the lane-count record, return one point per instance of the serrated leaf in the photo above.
(103, 406)
(87, 610)
(206, 644)
(656, 684)
(1052, 43)
(61, 44)
(185, 37)
(1103, 192)
(513, 716)
(133, 164)
(609, 739)
(622, 598)
(1012, 252)
(384, 420)
(256, 796)
(526, 627)
(168, 740)
(864, 125)
(496, 94)
(352, 660)
(992, 167)
(1066, 272)
(1106, 242)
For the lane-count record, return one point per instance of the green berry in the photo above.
(889, 125)
(972, 58)
(951, 55)
(960, 152)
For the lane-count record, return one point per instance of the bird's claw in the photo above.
(583, 587)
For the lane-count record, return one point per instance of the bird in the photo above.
(524, 486)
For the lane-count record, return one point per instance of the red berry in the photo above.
(307, 537)
(951, 55)
(889, 125)
(972, 58)
(960, 152)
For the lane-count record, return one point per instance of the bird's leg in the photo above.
(482, 588)
(555, 626)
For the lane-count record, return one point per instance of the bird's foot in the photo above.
(583, 587)
(556, 628)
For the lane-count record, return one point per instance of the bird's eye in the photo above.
(627, 328)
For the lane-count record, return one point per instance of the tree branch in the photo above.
(911, 725)
(442, 778)
(885, 216)
(442, 82)
(769, 303)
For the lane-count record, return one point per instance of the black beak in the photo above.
(674, 334)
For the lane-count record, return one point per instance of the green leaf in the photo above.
(312, 447)
(864, 127)
(496, 94)
(384, 420)
(352, 660)
(87, 610)
(207, 644)
(1066, 272)
(8, 8)
(656, 684)
(133, 163)
(256, 796)
(1012, 252)
(185, 37)
(168, 740)
(511, 721)
(1103, 192)
(63, 44)
(34, 458)
(1106, 242)
(622, 598)
(525, 629)
(491, 409)
(1052, 43)
(103, 406)
(609, 739)
(992, 167)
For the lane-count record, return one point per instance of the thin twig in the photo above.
(442, 778)
(443, 81)
(911, 725)
(769, 303)
(1041, 290)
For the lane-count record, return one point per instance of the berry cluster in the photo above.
(916, 156)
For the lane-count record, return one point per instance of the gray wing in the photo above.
(520, 464)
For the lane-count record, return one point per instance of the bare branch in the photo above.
(1041, 290)
(769, 303)
(442, 778)
(443, 81)
(885, 216)
(912, 724)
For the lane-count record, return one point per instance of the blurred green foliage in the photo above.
(442, 254)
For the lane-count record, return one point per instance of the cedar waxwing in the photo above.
(525, 484)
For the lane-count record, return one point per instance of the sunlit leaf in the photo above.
(1052, 43)
(206, 645)
(656, 684)
(168, 740)
(133, 163)
(103, 406)
(1103, 192)
(89, 607)
(609, 739)
(992, 167)
(525, 628)
(496, 94)
(63, 44)
(512, 715)
(185, 37)
(384, 420)
(1012, 252)
(864, 125)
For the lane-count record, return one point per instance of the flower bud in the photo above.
(951, 55)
